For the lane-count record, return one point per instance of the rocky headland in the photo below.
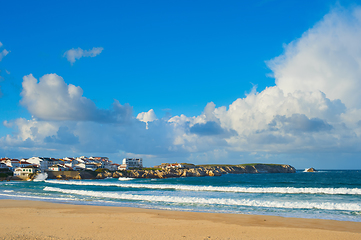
(189, 171)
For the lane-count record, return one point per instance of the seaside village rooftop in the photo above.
(26, 166)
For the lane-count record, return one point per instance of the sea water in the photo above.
(324, 194)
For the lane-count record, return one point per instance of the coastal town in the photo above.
(101, 167)
(27, 166)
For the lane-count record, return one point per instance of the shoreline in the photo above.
(44, 220)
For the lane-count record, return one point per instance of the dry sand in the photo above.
(43, 220)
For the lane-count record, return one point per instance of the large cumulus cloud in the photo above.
(326, 58)
(314, 106)
(51, 98)
(64, 120)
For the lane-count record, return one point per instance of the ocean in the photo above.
(324, 195)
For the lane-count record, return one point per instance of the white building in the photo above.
(133, 162)
(112, 167)
(92, 166)
(81, 159)
(12, 163)
(87, 166)
(43, 163)
(122, 167)
(33, 160)
(174, 165)
(58, 167)
(24, 171)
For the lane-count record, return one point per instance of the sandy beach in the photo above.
(43, 220)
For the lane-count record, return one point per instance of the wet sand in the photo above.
(43, 220)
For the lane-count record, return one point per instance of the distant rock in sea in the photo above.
(310, 170)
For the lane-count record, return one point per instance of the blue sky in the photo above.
(228, 82)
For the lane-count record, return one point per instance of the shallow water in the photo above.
(325, 194)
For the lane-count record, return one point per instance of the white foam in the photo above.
(213, 201)
(41, 177)
(36, 197)
(125, 179)
(280, 190)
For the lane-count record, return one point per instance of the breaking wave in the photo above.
(36, 197)
(213, 201)
(125, 179)
(280, 190)
(41, 177)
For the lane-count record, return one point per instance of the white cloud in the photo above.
(326, 58)
(3, 53)
(90, 138)
(33, 130)
(75, 54)
(315, 105)
(147, 117)
(52, 99)
(63, 119)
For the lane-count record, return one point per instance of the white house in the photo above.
(133, 162)
(122, 167)
(58, 167)
(43, 163)
(48, 162)
(71, 162)
(33, 160)
(81, 159)
(12, 163)
(108, 165)
(174, 165)
(24, 171)
(112, 167)
(99, 158)
(92, 166)
(79, 166)
(87, 166)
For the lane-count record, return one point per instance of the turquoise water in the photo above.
(325, 194)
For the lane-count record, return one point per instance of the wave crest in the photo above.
(212, 201)
(280, 190)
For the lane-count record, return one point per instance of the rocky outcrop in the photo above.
(257, 168)
(201, 171)
(196, 171)
(67, 175)
(310, 170)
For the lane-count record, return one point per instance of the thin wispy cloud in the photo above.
(75, 54)
(3, 53)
